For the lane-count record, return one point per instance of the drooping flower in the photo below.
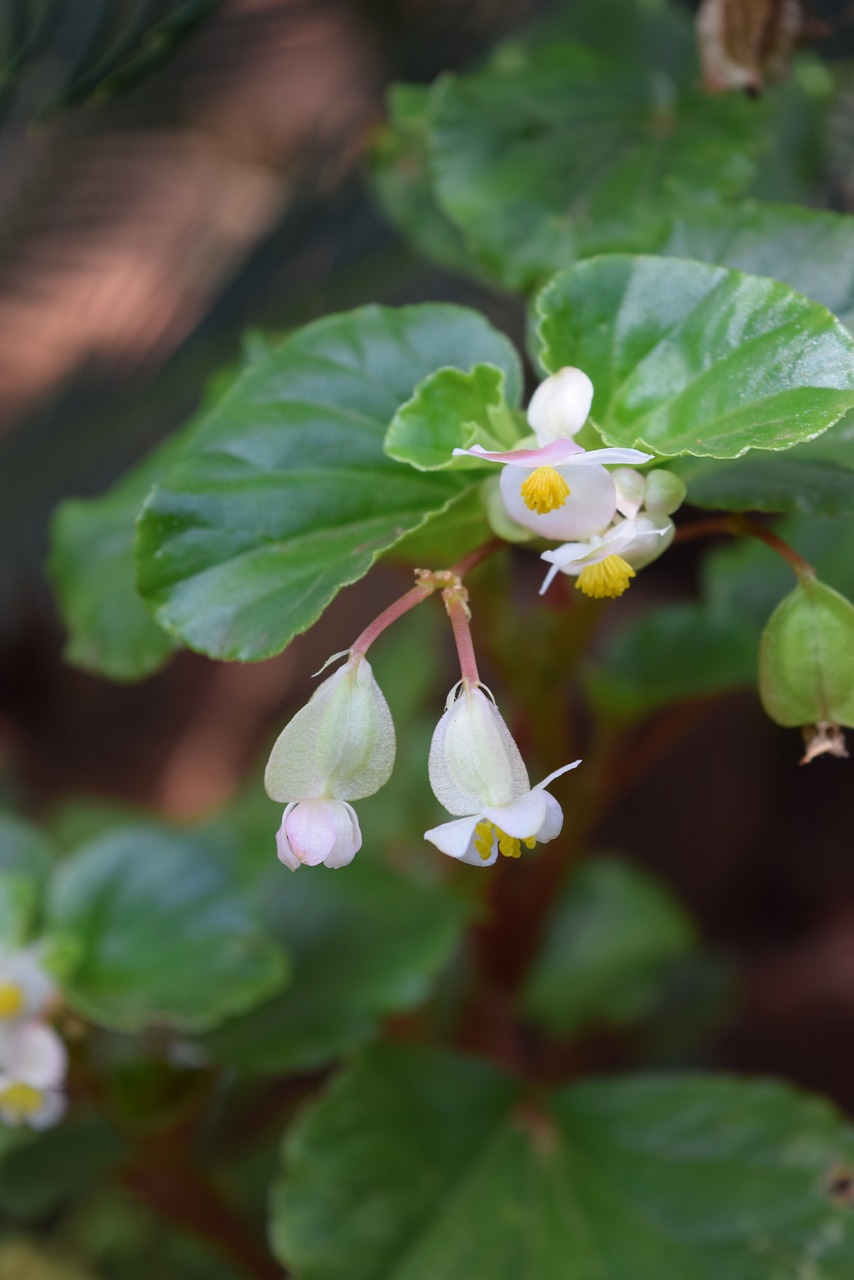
(33, 1063)
(606, 563)
(478, 775)
(340, 747)
(25, 987)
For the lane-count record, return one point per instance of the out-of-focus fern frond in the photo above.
(95, 48)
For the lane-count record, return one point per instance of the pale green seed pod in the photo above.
(806, 658)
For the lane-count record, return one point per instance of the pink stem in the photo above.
(458, 613)
(394, 611)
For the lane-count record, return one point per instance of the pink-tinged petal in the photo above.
(348, 839)
(590, 507)
(523, 817)
(310, 830)
(34, 1054)
(454, 838)
(553, 822)
(284, 851)
(551, 455)
(608, 457)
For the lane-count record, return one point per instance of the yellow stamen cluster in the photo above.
(11, 1000)
(21, 1100)
(607, 579)
(545, 490)
(486, 832)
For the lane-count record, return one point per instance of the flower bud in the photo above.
(806, 659)
(559, 407)
(664, 492)
(340, 745)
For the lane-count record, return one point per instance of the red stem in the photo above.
(742, 526)
(459, 615)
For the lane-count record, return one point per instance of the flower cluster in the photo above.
(610, 522)
(33, 1059)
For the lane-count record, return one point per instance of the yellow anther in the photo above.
(11, 1000)
(545, 490)
(21, 1100)
(607, 579)
(485, 835)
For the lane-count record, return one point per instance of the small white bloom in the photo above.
(33, 1062)
(606, 563)
(477, 773)
(25, 988)
(339, 747)
(559, 407)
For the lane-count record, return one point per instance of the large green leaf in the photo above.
(454, 410)
(418, 1164)
(609, 945)
(810, 249)
(696, 359)
(165, 934)
(552, 153)
(363, 943)
(285, 494)
(815, 478)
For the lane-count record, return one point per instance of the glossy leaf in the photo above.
(509, 170)
(24, 850)
(363, 944)
(166, 936)
(694, 359)
(418, 1164)
(454, 410)
(608, 947)
(286, 495)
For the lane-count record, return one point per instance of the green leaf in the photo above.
(24, 850)
(18, 909)
(166, 936)
(418, 1164)
(816, 478)
(37, 1175)
(454, 410)
(810, 249)
(363, 944)
(609, 945)
(285, 494)
(509, 170)
(689, 358)
(401, 181)
(673, 652)
(110, 631)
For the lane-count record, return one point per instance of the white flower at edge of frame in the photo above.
(317, 831)
(478, 775)
(33, 1062)
(25, 988)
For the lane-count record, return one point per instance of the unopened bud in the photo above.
(806, 663)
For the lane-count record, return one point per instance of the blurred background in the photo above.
(173, 174)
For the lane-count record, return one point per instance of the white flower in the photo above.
(33, 1063)
(477, 773)
(339, 747)
(25, 988)
(606, 563)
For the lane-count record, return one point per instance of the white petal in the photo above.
(23, 969)
(601, 457)
(311, 831)
(590, 507)
(283, 849)
(34, 1054)
(474, 761)
(558, 773)
(630, 490)
(454, 838)
(341, 743)
(523, 818)
(560, 405)
(649, 537)
(553, 822)
(549, 455)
